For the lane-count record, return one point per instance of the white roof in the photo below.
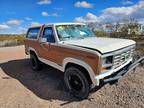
(67, 24)
(58, 24)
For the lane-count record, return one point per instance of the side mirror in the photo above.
(43, 40)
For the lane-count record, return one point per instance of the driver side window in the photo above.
(48, 33)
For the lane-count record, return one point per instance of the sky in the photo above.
(17, 15)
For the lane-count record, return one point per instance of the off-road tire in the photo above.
(72, 74)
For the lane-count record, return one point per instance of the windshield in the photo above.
(66, 32)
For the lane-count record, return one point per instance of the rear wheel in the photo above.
(35, 63)
(76, 82)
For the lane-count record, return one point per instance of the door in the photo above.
(48, 50)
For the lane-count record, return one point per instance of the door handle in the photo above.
(42, 44)
(44, 47)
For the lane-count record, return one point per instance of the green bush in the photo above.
(101, 34)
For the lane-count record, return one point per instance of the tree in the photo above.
(127, 29)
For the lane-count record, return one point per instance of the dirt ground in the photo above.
(21, 87)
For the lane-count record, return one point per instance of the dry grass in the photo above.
(140, 45)
(11, 40)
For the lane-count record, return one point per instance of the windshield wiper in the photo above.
(67, 37)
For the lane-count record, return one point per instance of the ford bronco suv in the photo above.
(86, 60)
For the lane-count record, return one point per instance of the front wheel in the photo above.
(76, 82)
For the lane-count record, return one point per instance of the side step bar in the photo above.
(125, 71)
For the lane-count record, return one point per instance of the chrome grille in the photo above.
(122, 58)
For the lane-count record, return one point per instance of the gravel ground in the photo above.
(20, 87)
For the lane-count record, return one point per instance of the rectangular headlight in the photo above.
(107, 63)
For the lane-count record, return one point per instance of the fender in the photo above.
(32, 49)
(83, 64)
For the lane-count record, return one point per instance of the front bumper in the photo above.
(119, 73)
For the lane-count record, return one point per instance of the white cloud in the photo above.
(22, 29)
(44, 2)
(127, 2)
(80, 19)
(34, 24)
(88, 18)
(91, 17)
(28, 18)
(119, 10)
(119, 13)
(83, 4)
(14, 22)
(4, 27)
(114, 14)
(45, 14)
(125, 10)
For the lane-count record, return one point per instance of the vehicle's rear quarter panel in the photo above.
(33, 44)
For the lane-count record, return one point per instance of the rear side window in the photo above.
(33, 33)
